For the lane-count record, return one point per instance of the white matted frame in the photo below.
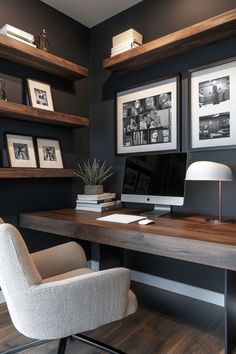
(148, 117)
(40, 95)
(49, 153)
(212, 108)
(20, 150)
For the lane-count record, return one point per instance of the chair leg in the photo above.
(62, 345)
(96, 344)
(25, 346)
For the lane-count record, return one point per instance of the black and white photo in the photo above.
(214, 91)
(40, 95)
(214, 126)
(20, 150)
(49, 153)
(213, 88)
(147, 118)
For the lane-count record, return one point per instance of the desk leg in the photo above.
(230, 311)
(108, 257)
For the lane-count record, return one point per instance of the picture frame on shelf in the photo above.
(40, 95)
(20, 150)
(49, 153)
(147, 117)
(212, 108)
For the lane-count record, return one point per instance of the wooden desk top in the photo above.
(182, 237)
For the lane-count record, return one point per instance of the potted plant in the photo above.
(93, 174)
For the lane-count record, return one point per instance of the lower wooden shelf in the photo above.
(20, 172)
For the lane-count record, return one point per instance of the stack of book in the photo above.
(17, 34)
(97, 202)
(125, 41)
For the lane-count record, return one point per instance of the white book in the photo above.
(124, 49)
(17, 32)
(124, 45)
(84, 201)
(18, 39)
(102, 196)
(99, 207)
(128, 35)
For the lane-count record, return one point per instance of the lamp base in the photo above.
(220, 221)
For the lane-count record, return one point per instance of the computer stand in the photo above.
(158, 210)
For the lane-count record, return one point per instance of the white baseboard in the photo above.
(194, 292)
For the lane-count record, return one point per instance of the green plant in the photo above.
(94, 172)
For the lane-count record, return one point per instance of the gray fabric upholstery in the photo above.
(59, 305)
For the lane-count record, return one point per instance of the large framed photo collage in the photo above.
(148, 116)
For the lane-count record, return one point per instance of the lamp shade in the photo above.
(208, 171)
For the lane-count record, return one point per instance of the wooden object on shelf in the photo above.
(26, 55)
(23, 112)
(18, 172)
(205, 32)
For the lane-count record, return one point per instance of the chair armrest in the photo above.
(59, 259)
(79, 304)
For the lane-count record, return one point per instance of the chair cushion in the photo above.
(71, 274)
(132, 304)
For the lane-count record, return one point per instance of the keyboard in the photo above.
(121, 218)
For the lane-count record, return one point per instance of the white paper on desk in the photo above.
(121, 218)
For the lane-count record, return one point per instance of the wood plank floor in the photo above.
(146, 332)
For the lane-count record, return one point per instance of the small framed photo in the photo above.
(213, 110)
(20, 150)
(40, 95)
(148, 117)
(49, 153)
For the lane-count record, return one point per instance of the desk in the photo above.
(186, 238)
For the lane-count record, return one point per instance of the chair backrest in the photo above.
(17, 270)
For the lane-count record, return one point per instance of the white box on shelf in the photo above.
(124, 49)
(17, 32)
(128, 35)
(18, 39)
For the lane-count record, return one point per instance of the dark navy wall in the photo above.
(155, 19)
(69, 40)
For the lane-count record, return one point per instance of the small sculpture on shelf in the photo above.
(3, 96)
(42, 41)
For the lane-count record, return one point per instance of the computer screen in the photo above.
(157, 179)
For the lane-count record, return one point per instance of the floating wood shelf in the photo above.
(209, 31)
(26, 55)
(17, 172)
(23, 112)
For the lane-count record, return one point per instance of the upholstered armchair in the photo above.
(52, 294)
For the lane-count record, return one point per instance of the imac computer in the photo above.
(157, 179)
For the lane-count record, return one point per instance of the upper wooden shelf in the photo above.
(209, 31)
(26, 172)
(23, 112)
(26, 55)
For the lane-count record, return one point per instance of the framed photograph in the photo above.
(147, 117)
(40, 95)
(20, 150)
(49, 153)
(213, 111)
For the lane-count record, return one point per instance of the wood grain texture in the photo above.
(31, 114)
(25, 172)
(146, 332)
(209, 31)
(26, 55)
(187, 238)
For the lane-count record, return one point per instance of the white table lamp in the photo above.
(211, 171)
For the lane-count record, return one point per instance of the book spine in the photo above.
(18, 33)
(98, 206)
(18, 39)
(125, 45)
(124, 50)
(93, 202)
(103, 196)
(105, 208)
